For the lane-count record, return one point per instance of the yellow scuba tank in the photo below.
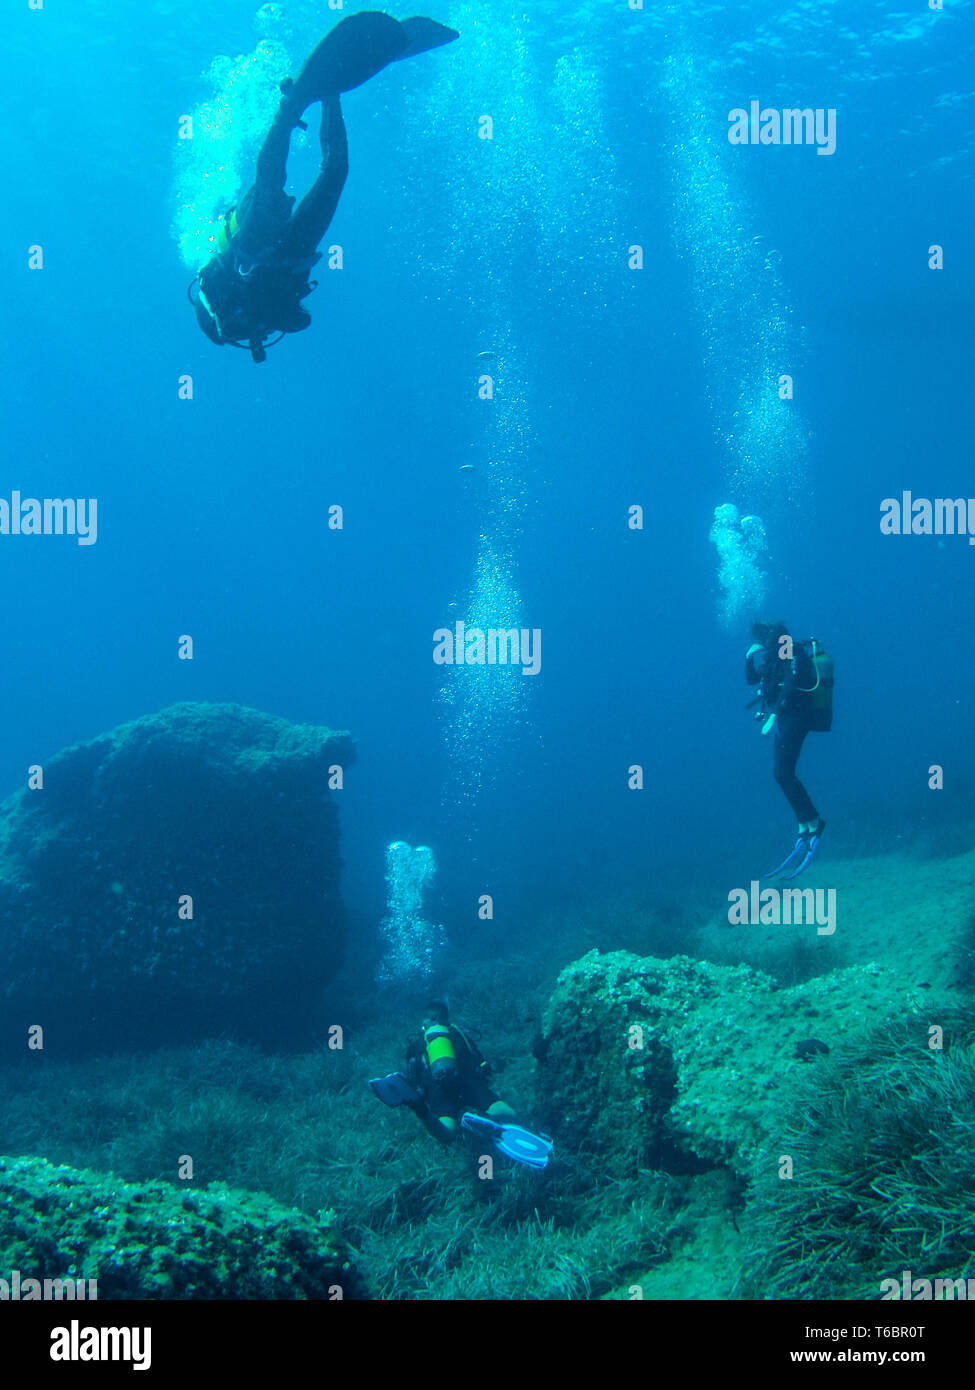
(441, 1057)
(228, 229)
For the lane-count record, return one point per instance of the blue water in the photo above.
(614, 387)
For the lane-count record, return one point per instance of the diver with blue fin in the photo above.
(445, 1085)
(795, 682)
(249, 295)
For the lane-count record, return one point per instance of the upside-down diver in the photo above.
(253, 287)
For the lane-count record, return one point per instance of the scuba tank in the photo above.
(441, 1058)
(819, 695)
(228, 230)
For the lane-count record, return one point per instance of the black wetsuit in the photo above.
(450, 1096)
(784, 686)
(255, 287)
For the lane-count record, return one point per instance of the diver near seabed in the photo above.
(446, 1087)
(253, 287)
(795, 681)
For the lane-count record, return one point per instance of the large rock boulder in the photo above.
(150, 1240)
(680, 1065)
(218, 804)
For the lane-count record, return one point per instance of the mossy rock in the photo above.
(152, 1240)
(217, 804)
(680, 1064)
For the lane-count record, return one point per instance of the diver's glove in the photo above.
(770, 721)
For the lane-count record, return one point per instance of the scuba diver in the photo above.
(253, 287)
(446, 1087)
(795, 681)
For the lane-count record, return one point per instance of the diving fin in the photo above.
(802, 844)
(394, 1089)
(812, 845)
(525, 1147)
(424, 34)
(360, 46)
(514, 1142)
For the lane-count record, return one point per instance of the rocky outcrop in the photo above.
(150, 1240)
(678, 1065)
(175, 878)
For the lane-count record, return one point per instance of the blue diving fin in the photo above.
(514, 1142)
(811, 845)
(802, 845)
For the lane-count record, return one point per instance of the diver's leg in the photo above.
(789, 738)
(265, 209)
(501, 1111)
(314, 213)
(434, 1115)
